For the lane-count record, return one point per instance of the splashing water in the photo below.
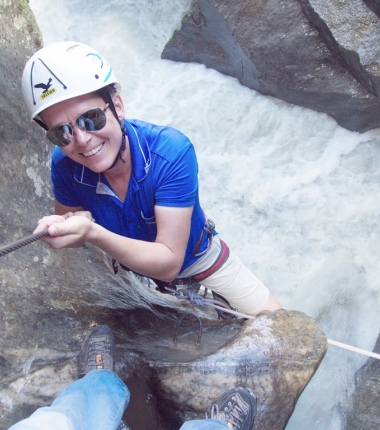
(294, 194)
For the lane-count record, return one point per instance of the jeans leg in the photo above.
(95, 402)
(206, 424)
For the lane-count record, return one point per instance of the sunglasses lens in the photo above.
(61, 135)
(93, 120)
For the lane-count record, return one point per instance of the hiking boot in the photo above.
(237, 408)
(98, 351)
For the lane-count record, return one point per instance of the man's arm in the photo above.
(161, 259)
(60, 209)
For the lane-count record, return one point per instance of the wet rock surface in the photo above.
(351, 31)
(49, 300)
(374, 5)
(257, 355)
(364, 413)
(287, 50)
(276, 355)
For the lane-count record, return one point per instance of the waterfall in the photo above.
(294, 194)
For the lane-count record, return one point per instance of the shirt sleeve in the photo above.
(62, 172)
(177, 179)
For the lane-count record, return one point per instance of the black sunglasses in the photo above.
(92, 120)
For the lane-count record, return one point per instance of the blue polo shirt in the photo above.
(164, 173)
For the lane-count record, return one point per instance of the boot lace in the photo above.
(232, 413)
(98, 354)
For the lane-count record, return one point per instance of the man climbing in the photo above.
(127, 186)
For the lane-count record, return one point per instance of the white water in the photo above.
(296, 196)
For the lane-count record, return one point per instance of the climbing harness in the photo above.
(193, 284)
(209, 230)
(221, 305)
(189, 293)
(196, 279)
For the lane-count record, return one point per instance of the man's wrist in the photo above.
(93, 233)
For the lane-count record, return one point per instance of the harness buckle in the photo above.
(210, 224)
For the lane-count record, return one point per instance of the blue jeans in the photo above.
(95, 402)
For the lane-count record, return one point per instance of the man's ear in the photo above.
(119, 106)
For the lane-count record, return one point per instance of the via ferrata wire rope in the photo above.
(195, 300)
(198, 300)
(22, 242)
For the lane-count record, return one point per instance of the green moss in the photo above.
(22, 4)
(193, 5)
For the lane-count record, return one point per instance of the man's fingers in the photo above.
(68, 215)
(68, 226)
(86, 214)
(47, 221)
(53, 230)
(67, 230)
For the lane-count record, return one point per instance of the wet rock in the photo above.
(255, 353)
(271, 47)
(365, 400)
(276, 355)
(351, 32)
(374, 5)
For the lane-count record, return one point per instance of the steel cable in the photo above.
(22, 242)
(194, 298)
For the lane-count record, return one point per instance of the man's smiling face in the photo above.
(96, 150)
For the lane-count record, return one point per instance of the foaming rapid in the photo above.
(295, 195)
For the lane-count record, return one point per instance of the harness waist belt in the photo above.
(199, 277)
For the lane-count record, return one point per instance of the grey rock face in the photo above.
(351, 32)
(276, 355)
(374, 5)
(365, 400)
(272, 47)
(258, 356)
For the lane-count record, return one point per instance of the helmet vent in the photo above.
(71, 48)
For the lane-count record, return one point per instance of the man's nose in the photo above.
(81, 137)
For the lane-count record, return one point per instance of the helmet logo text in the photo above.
(47, 91)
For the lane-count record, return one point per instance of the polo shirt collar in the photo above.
(140, 156)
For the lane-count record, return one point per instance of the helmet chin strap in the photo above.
(104, 93)
(122, 149)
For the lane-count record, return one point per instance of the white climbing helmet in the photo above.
(61, 71)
